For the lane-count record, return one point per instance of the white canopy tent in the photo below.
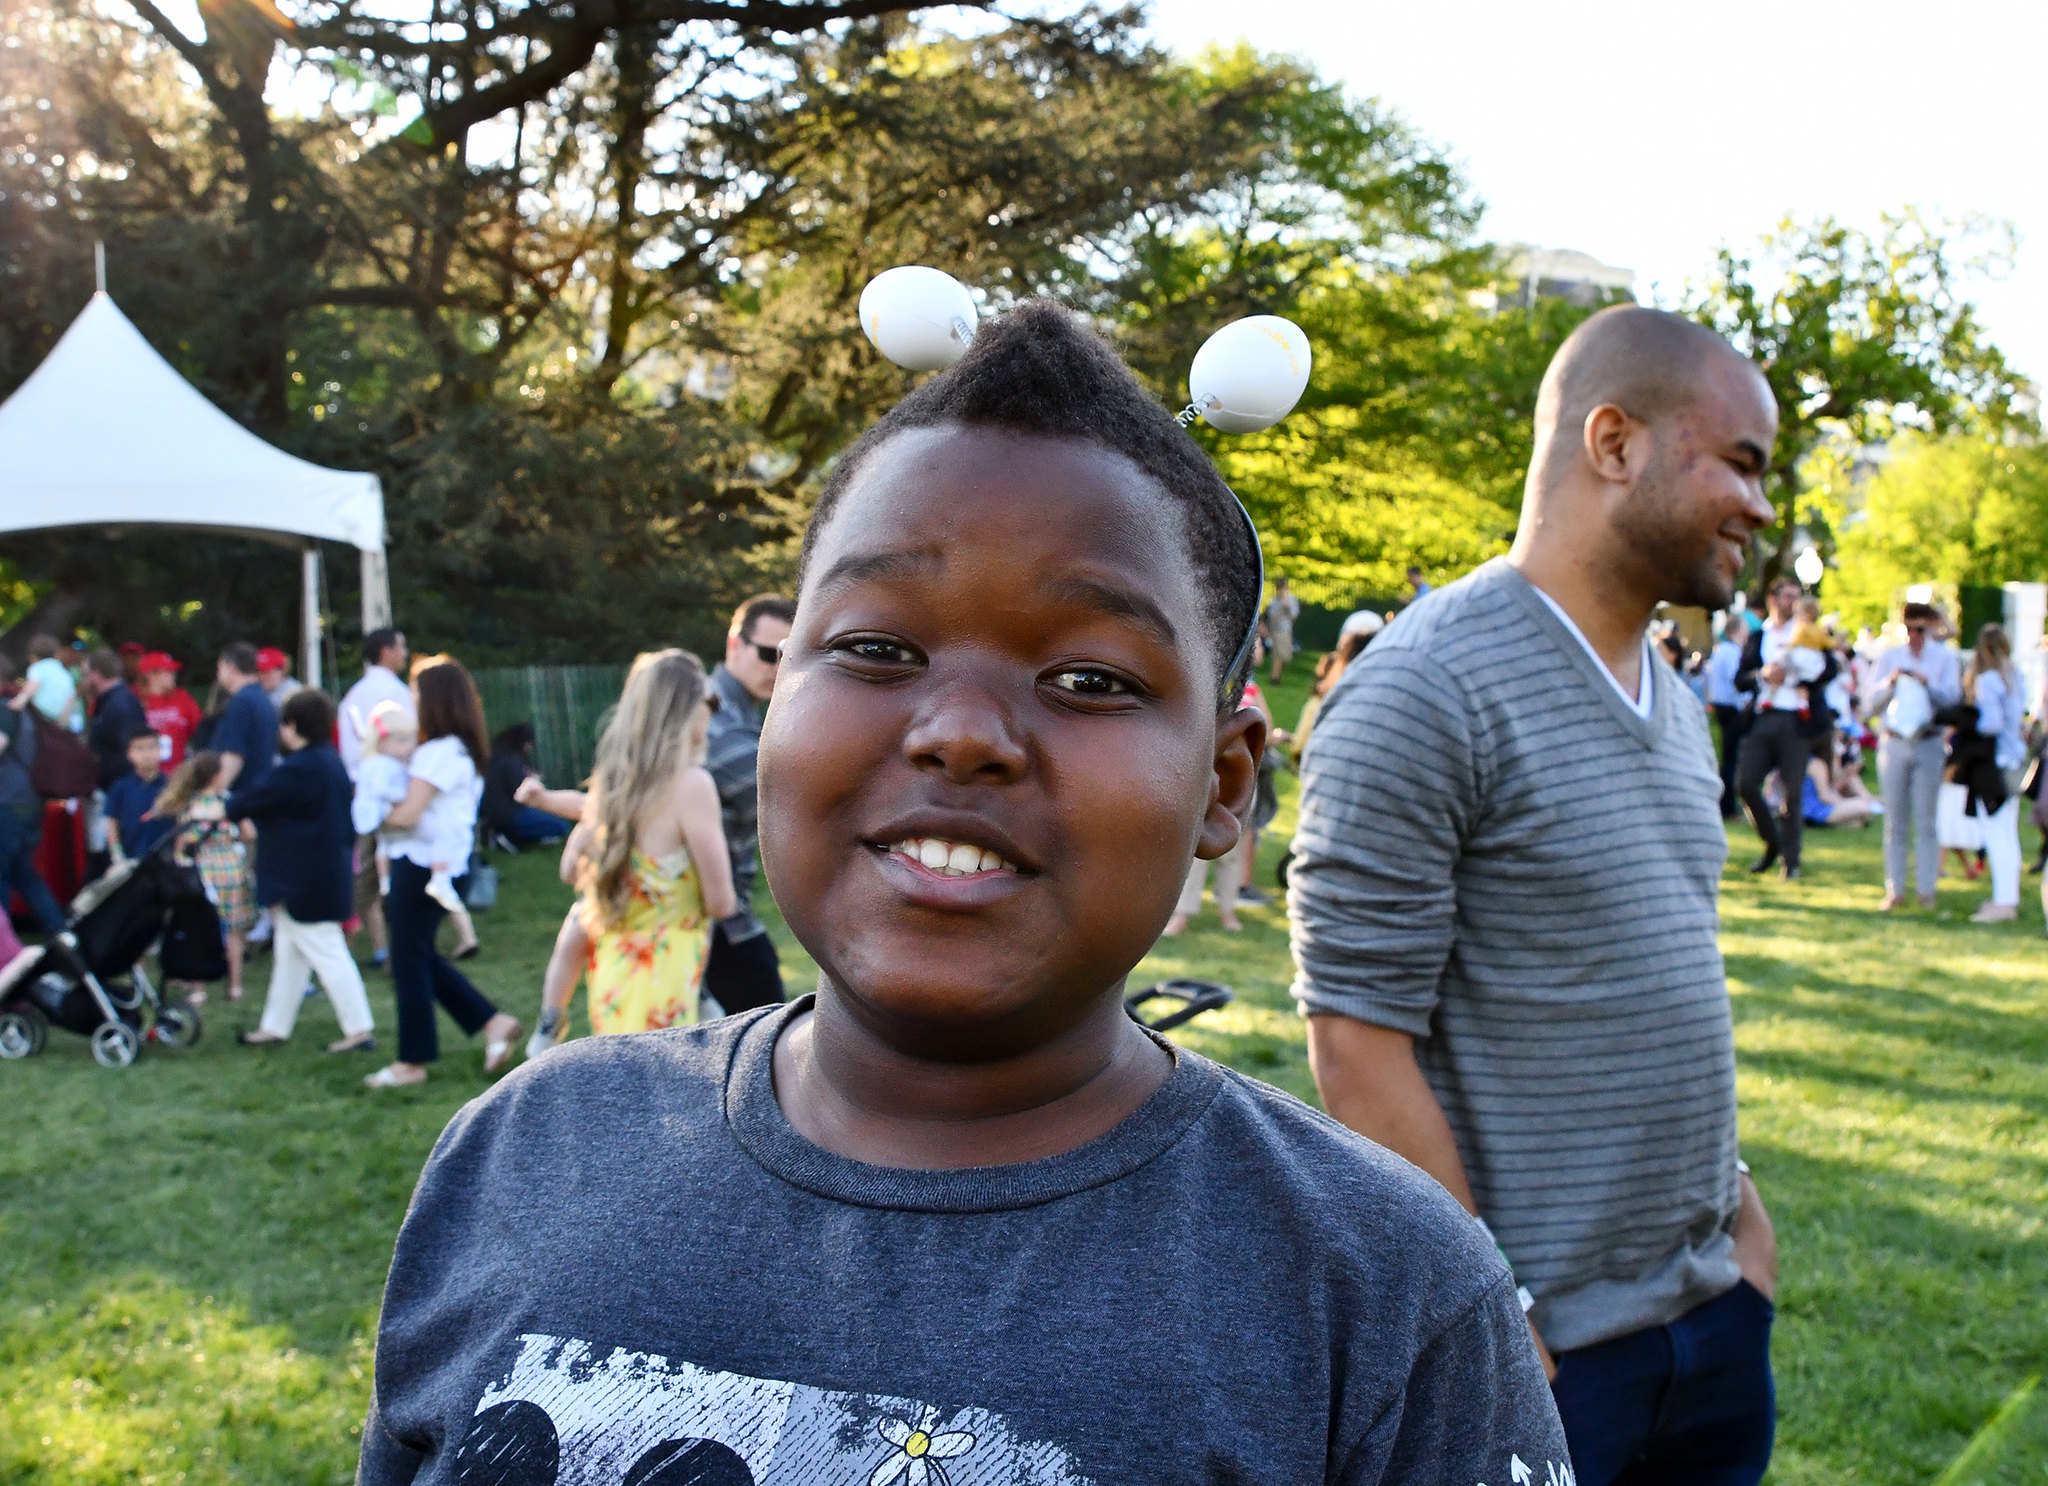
(106, 433)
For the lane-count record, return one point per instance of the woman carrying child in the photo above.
(649, 857)
(444, 783)
(194, 793)
(390, 737)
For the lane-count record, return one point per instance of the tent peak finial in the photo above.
(99, 266)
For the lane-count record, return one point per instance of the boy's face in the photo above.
(145, 754)
(1000, 647)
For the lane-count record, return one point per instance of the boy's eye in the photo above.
(1090, 681)
(876, 651)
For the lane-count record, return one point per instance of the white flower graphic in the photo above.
(918, 1452)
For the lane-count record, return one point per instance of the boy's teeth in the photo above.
(951, 858)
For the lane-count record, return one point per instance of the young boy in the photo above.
(305, 874)
(956, 1218)
(130, 798)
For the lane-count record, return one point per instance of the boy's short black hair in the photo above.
(310, 711)
(1040, 370)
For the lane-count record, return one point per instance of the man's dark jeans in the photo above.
(1734, 723)
(21, 832)
(1775, 742)
(1688, 1404)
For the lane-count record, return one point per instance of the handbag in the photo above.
(480, 888)
(62, 767)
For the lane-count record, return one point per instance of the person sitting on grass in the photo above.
(131, 829)
(960, 1207)
(305, 874)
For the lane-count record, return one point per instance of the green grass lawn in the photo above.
(191, 1250)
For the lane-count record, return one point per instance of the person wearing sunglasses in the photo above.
(1910, 748)
(743, 971)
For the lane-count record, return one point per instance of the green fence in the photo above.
(565, 706)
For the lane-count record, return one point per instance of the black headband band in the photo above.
(1241, 665)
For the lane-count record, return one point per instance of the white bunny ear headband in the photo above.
(1247, 376)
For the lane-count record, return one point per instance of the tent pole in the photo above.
(309, 624)
(376, 590)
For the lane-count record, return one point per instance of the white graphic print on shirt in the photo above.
(563, 1414)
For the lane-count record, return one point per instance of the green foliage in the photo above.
(1963, 511)
(602, 352)
(1860, 336)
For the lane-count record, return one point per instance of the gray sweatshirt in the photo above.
(1499, 857)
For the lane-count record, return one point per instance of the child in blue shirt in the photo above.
(955, 1219)
(131, 830)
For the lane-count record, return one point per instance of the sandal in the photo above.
(363, 1042)
(388, 1077)
(467, 951)
(259, 1038)
(498, 1050)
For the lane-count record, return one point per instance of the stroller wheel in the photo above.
(177, 1025)
(114, 1044)
(23, 1031)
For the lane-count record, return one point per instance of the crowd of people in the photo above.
(365, 816)
(1794, 697)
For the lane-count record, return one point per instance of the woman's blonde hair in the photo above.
(1993, 653)
(655, 732)
(195, 776)
(387, 720)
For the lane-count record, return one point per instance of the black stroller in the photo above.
(89, 978)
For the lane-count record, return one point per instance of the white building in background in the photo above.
(1533, 273)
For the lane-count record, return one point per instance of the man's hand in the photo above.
(1773, 673)
(1756, 1241)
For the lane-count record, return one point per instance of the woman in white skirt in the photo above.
(1991, 683)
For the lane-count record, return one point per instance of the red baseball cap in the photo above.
(157, 660)
(130, 647)
(270, 658)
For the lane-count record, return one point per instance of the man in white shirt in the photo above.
(1730, 704)
(1909, 763)
(384, 658)
(1779, 736)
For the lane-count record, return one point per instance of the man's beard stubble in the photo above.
(1683, 565)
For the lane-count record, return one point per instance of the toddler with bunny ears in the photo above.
(965, 1220)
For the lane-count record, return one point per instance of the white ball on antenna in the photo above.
(920, 318)
(1250, 374)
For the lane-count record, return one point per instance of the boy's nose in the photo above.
(967, 736)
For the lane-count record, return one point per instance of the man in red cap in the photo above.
(131, 653)
(167, 706)
(274, 674)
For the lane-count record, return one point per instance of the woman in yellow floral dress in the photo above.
(650, 855)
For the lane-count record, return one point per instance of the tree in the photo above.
(1965, 510)
(1860, 336)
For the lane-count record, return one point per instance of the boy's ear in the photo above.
(1234, 782)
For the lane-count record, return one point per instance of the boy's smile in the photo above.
(993, 749)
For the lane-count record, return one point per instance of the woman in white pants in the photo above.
(304, 873)
(1991, 683)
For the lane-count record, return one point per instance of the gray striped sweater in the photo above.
(1499, 857)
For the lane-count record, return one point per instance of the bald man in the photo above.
(1504, 906)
